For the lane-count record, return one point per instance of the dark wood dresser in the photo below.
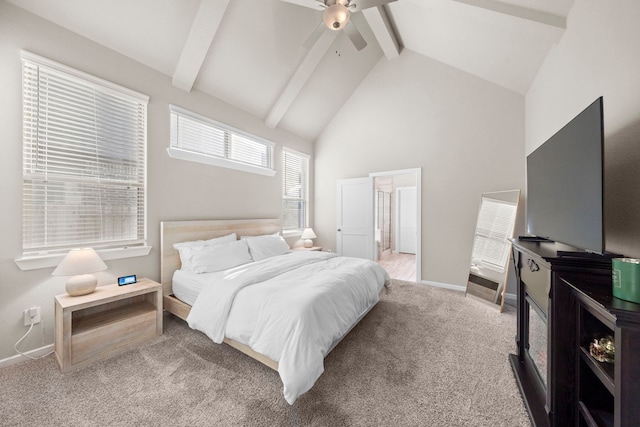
(564, 302)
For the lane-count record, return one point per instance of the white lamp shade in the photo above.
(336, 16)
(308, 234)
(80, 261)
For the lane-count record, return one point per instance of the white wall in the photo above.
(598, 56)
(176, 189)
(465, 133)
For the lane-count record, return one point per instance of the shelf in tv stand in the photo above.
(605, 392)
(602, 370)
(595, 417)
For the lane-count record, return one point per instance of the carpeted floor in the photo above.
(422, 357)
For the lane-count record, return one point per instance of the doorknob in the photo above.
(339, 229)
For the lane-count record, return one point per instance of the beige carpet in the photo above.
(422, 357)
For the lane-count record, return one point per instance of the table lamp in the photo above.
(80, 263)
(307, 235)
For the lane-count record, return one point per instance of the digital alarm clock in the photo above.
(126, 280)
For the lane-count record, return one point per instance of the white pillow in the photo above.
(262, 247)
(187, 249)
(210, 259)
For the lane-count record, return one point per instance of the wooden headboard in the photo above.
(184, 231)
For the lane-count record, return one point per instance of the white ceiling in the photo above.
(250, 53)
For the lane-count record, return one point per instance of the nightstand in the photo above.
(113, 318)
(302, 248)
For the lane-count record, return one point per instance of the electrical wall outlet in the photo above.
(32, 316)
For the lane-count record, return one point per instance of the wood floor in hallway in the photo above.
(399, 266)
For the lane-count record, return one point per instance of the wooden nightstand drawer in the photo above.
(112, 329)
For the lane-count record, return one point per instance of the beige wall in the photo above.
(598, 56)
(465, 133)
(176, 189)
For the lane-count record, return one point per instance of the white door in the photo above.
(355, 218)
(407, 220)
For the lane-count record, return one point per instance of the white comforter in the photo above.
(309, 300)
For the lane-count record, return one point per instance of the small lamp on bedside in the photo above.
(80, 263)
(307, 235)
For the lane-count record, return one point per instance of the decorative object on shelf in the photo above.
(603, 349)
(307, 236)
(626, 278)
(81, 264)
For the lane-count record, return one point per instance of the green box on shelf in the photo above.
(626, 279)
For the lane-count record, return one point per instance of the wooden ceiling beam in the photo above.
(300, 78)
(383, 30)
(203, 30)
(544, 18)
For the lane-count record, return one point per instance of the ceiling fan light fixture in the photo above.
(336, 16)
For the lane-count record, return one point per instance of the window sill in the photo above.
(291, 233)
(46, 261)
(176, 153)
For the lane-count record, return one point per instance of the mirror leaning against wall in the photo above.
(492, 246)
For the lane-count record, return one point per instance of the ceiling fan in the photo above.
(336, 17)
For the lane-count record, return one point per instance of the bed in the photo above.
(249, 305)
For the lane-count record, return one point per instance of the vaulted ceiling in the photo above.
(251, 53)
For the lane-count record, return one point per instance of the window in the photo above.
(84, 161)
(200, 139)
(295, 190)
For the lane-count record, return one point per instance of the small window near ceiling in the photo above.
(200, 139)
(295, 191)
(84, 161)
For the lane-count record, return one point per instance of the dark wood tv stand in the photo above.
(563, 303)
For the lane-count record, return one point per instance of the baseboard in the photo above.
(511, 299)
(443, 285)
(18, 358)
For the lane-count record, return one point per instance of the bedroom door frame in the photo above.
(418, 174)
(401, 199)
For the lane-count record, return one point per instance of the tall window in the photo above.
(295, 190)
(200, 139)
(84, 160)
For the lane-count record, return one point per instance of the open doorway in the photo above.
(397, 210)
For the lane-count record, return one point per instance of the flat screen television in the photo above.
(565, 184)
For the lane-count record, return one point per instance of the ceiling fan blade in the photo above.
(358, 5)
(355, 36)
(313, 4)
(315, 36)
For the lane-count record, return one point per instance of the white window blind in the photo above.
(496, 220)
(200, 139)
(295, 190)
(84, 160)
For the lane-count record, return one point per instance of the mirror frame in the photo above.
(488, 276)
